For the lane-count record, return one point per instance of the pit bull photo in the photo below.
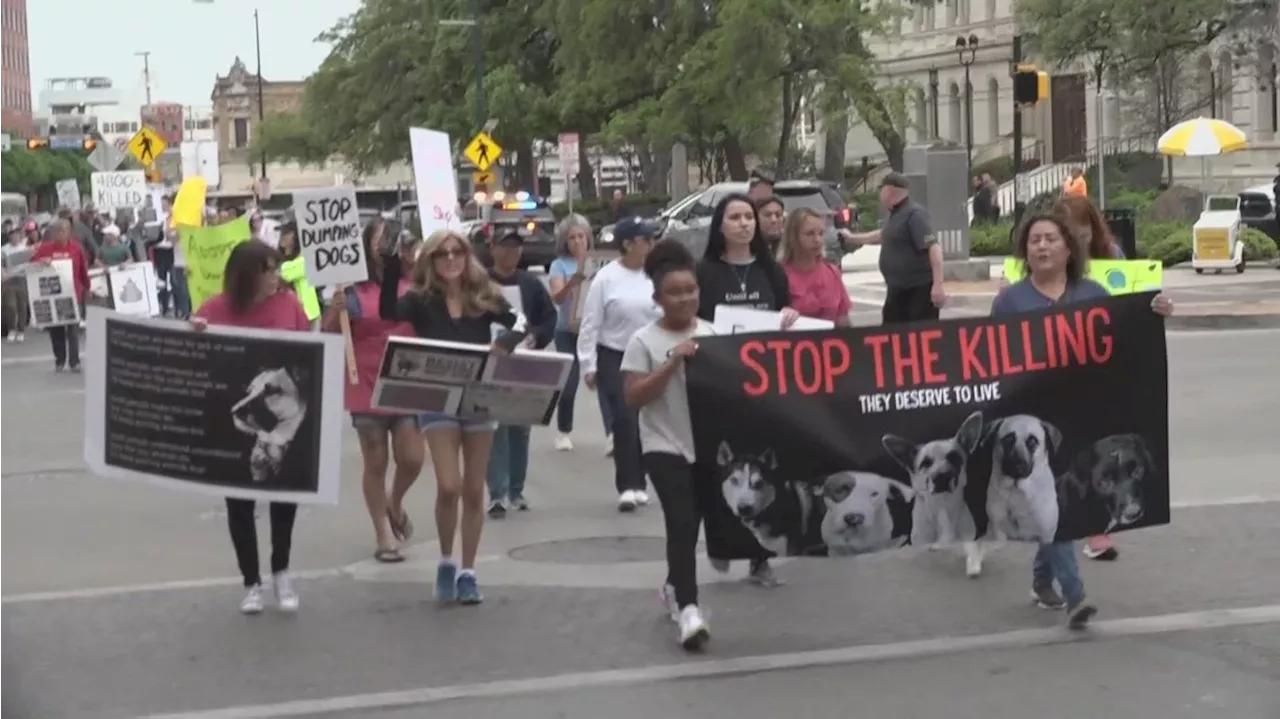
(857, 518)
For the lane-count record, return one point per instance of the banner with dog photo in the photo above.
(225, 411)
(1048, 425)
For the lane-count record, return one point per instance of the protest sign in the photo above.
(51, 293)
(233, 412)
(434, 180)
(733, 320)
(1051, 425)
(68, 194)
(206, 250)
(420, 375)
(329, 236)
(1118, 276)
(118, 190)
(592, 263)
(133, 289)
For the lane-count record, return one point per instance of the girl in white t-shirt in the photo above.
(653, 381)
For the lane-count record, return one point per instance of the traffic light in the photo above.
(37, 143)
(89, 144)
(1030, 85)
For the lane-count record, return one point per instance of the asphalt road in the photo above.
(120, 600)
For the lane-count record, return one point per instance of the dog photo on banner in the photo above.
(1040, 427)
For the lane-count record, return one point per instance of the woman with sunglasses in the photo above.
(252, 296)
(451, 297)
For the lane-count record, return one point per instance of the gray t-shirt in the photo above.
(1022, 296)
(664, 422)
(905, 238)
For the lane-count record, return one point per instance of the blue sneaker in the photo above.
(446, 582)
(468, 589)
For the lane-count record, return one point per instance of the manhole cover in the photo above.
(594, 550)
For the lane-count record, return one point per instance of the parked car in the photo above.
(1258, 210)
(689, 219)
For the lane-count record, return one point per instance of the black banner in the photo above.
(1045, 425)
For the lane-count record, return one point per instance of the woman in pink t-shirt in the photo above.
(369, 333)
(253, 297)
(817, 286)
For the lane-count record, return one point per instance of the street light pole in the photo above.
(262, 112)
(477, 41)
(967, 49)
(933, 103)
(146, 71)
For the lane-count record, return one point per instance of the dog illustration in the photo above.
(1104, 485)
(857, 519)
(939, 473)
(1022, 497)
(777, 515)
(271, 412)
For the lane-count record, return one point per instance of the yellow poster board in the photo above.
(1120, 277)
(207, 250)
(188, 206)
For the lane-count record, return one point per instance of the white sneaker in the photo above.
(668, 595)
(627, 501)
(642, 498)
(13, 337)
(563, 443)
(608, 445)
(694, 632)
(286, 596)
(21, 337)
(252, 602)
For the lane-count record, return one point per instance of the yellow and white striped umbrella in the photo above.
(1202, 137)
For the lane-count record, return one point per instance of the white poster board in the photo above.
(118, 190)
(568, 146)
(51, 290)
(434, 179)
(228, 411)
(68, 194)
(732, 320)
(594, 262)
(420, 375)
(134, 289)
(329, 236)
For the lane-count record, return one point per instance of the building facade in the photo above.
(236, 112)
(16, 86)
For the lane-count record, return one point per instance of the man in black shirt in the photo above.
(910, 256)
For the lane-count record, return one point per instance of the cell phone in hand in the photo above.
(353, 302)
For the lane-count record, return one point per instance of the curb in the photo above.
(1223, 322)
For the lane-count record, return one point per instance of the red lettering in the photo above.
(1071, 339)
(930, 356)
(877, 343)
(1007, 365)
(1099, 338)
(1028, 352)
(1050, 348)
(807, 347)
(830, 369)
(910, 361)
(780, 348)
(970, 366)
(745, 353)
(991, 351)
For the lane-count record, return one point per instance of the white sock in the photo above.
(446, 559)
(467, 573)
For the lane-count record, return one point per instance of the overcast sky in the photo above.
(190, 42)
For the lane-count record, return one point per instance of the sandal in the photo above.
(388, 555)
(402, 528)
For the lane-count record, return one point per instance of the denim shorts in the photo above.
(385, 422)
(433, 420)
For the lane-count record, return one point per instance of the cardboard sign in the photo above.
(51, 291)
(1120, 277)
(118, 190)
(434, 180)
(329, 236)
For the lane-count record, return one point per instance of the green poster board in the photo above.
(1120, 277)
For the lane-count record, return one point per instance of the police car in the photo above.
(500, 213)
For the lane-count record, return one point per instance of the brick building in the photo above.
(17, 72)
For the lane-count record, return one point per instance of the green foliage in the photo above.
(1151, 234)
(1258, 246)
(289, 136)
(1173, 249)
(991, 240)
(1000, 169)
(36, 172)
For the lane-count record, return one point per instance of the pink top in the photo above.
(818, 292)
(281, 311)
(369, 333)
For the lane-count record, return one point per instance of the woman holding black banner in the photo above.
(653, 376)
(252, 296)
(738, 270)
(452, 298)
(1056, 274)
(383, 435)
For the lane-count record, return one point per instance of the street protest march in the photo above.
(1047, 426)
(231, 412)
(422, 375)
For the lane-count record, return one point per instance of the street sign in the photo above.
(147, 145)
(483, 151)
(58, 142)
(485, 178)
(105, 157)
(569, 157)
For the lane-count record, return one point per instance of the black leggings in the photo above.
(673, 477)
(244, 537)
(627, 473)
(66, 344)
(908, 304)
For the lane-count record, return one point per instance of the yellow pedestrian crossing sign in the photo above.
(147, 146)
(483, 151)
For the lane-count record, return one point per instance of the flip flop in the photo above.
(402, 528)
(388, 555)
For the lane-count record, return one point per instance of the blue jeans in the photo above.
(178, 290)
(1058, 561)
(567, 342)
(508, 462)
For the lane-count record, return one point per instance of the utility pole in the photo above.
(477, 41)
(1019, 203)
(262, 111)
(146, 71)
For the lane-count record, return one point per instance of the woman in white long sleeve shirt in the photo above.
(618, 304)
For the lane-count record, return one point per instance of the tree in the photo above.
(35, 173)
(290, 136)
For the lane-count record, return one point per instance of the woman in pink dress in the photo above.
(817, 285)
(383, 434)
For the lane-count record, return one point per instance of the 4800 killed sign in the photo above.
(329, 236)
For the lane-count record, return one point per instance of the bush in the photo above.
(1127, 199)
(1258, 246)
(991, 240)
(600, 211)
(1153, 233)
(1173, 249)
(1000, 169)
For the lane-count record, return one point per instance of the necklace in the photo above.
(742, 276)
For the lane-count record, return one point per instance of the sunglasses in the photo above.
(449, 254)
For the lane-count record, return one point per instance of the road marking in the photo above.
(25, 360)
(863, 654)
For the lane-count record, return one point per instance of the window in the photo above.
(241, 131)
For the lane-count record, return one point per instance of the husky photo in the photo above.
(855, 441)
